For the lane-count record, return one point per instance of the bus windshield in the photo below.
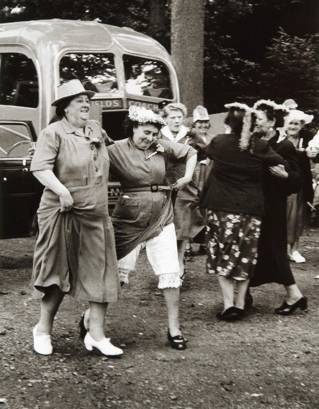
(96, 71)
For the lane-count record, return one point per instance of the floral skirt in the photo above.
(232, 241)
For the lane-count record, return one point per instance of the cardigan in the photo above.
(235, 181)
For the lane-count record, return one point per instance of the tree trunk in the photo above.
(187, 48)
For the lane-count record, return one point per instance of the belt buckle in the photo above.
(154, 188)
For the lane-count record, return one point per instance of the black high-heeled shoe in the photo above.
(82, 329)
(231, 314)
(287, 309)
(177, 342)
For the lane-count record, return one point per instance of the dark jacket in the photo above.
(305, 167)
(235, 182)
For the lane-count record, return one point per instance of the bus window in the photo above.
(18, 81)
(144, 76)
(96, 71)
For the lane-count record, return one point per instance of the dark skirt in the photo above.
(232, 241)
(273, 263)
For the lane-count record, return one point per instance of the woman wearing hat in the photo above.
(75, 251)
(278, 182)
(188, 218)
(143, 215)
(297, 202)
(234, 201)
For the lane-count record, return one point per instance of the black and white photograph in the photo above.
(159, 204)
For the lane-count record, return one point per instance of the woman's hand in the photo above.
(180, 183)
(66, 200)
(279, 171)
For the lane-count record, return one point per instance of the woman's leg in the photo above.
(49, 307)
(293, 294)
(95, 338)
(171, 296)
(228, 288)
(181, 246)
(242, 287)
(97, 315)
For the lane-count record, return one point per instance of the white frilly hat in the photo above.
(143, 115)
(298, 115)
(200, 113)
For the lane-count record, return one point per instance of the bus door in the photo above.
(19, 190)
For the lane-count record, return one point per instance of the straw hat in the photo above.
(200, 113)
(71, 89)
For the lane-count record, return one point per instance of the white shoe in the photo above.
(104, 346)
(297, 257)
(42, 343)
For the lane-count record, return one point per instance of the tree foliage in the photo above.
(291, 68)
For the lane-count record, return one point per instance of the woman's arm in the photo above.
(262, 150)
(290, 175)
(48, 179)
(189, 170)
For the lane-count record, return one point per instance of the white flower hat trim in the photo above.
(143, 115)
(290, 103)
(238, 105)
(270, 103)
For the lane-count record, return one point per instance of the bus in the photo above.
(122, 66)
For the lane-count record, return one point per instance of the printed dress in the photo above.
(234, 201)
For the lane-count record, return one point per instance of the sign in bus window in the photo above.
(144, 76)
(96, 71)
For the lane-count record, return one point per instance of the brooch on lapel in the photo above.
(159, 149)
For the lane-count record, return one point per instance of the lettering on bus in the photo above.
(106, 104)
(148, 105)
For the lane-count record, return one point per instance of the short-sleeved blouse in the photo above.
(140, 216)
(75, 250)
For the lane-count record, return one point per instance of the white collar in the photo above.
(168, 134)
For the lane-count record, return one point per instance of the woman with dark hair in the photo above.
(143, 215)
(278, 182)
(75, 250)
(234, 201)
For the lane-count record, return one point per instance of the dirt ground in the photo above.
(263, 362)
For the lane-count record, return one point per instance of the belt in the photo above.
(147, 188)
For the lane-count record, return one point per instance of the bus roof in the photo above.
(74, 34)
